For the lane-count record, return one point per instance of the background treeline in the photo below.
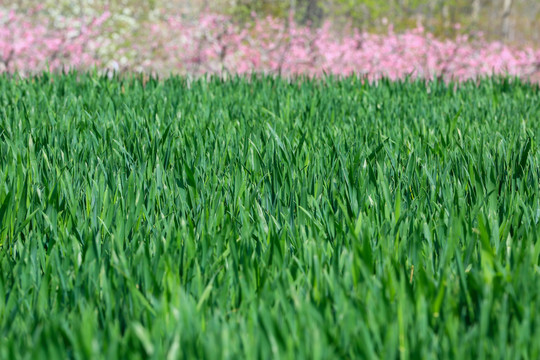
(515, 21)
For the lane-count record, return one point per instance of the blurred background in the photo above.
(453, 39)
(514, 21)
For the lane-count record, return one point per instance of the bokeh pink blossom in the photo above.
(213, 43)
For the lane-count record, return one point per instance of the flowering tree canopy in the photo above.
(213, 43)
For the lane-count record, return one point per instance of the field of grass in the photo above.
(266, 218)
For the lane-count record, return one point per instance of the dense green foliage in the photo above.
(261, 217)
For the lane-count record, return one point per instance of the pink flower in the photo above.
(213, 43)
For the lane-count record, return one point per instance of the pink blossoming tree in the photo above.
(213, 43)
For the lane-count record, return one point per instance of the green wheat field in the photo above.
(268, 218)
